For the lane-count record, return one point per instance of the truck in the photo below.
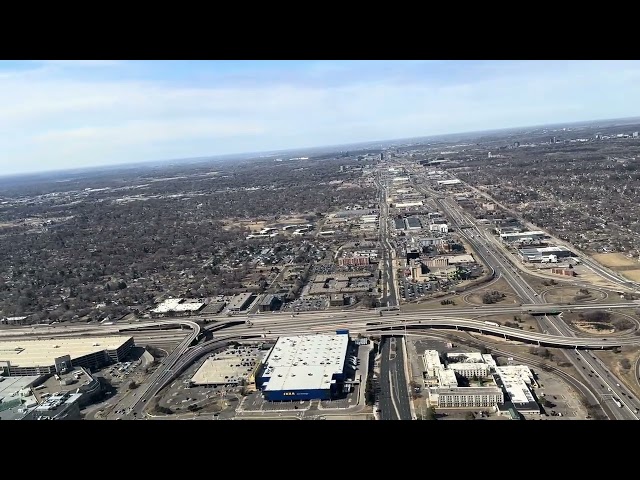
(618, 402)
(493, 324)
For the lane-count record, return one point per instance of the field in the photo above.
(600, 322)
(633, 275)
(615, 260)
(501, 287)
(573, 295)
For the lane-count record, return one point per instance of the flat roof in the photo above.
(177, 305)
(522, 234)
(239, 300)
(492, 390)
(432, 359)
(305, 362)
(447, 378)
(36, 353)
(515, 385)
(12, 385)
(471, 357)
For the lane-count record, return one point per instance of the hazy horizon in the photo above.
(70, 115)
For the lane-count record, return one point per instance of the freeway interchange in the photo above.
(393, 325)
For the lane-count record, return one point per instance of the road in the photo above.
(147, 390)
(604, 272)
(594, 373)
(389, 290)
(394, 394)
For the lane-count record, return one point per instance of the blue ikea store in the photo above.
(306, 367)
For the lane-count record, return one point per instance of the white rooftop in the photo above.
(11, 386)
(305, 362)
(447, 378)
(522, 234)
(471, 357)
(176, 305)
(515, 379)
(431, 360)
(36, 353)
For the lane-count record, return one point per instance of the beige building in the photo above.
(469, 397)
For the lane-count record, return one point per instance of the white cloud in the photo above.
(47, 116)
(83, 63)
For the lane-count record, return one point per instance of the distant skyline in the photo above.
(59, 115)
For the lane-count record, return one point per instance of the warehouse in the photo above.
(43, 357)
(306, 367)
(547, 254)
(240, 302)
(528, 236)
(413, 223)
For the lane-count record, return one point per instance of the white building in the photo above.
(447, 378)
(177, 305)
(439, 227)
(304, 367)
(409, 204)
(449, 182)
(470, 370)
(516, 381)
(432, 364)
(470, 397)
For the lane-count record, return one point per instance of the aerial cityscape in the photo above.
(491, 275)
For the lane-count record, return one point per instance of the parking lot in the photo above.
(412, 290)
(307, 304)
(564, 401)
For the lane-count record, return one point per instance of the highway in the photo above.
(389, 290)
(146, 391)
(592, 371)
(394, 395)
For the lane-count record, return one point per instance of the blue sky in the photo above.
(69, 114)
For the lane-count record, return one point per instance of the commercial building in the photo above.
(569, 272)
(413, 223)
(17, 397)
(517, 380)
(439, 227)
(409, 204)
(178, 305)
(270, 303)
(359, 261)
(61, 406)
(304, 367)
(528, 236)
(240, 302)
(43, 357)
(508, 384)
(448, 182)
(545, 254)
(22, 320)
(470, 397)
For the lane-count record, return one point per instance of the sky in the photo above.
(64, 114)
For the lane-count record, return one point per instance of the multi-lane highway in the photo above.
(147, 390)
(389, 290)
(592, 371)
(394, 394)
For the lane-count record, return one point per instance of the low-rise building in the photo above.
(270, 303)
(240, 302)
(469, 397)
(43, 357)
(516, 380)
